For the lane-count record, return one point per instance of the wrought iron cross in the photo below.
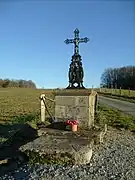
(76, 41)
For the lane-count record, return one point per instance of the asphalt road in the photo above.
(124, 106)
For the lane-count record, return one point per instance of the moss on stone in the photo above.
(38, 158)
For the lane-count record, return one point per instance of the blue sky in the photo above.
(32, 35)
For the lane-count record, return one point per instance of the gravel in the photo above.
(113, 160)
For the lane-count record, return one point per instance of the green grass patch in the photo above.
(119, 97)
(118, 92)
(115, 118)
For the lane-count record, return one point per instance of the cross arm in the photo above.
(84, 40)
(67, 41)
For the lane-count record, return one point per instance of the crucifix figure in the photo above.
(76, 70)
(76, 41)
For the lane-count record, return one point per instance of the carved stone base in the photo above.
(77, 105)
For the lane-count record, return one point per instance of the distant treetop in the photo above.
(5, 83)
(123, 77)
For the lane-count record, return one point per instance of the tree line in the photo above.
(123, 77)
(5, 83)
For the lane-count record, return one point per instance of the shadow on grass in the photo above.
(16, 134)
(25, 118)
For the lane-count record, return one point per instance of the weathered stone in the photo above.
(76, 105)
(61, 147)
(99, 135)
(81, 101)
(61, 111)
(64, 101)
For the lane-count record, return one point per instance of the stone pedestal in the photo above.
(78, 105)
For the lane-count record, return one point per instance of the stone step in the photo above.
(66, 147)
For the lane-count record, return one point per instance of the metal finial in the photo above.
(76, 30)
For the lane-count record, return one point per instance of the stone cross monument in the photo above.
(76, 73)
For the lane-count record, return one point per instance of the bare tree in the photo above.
(123, 77)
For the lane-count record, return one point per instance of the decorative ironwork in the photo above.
(76, 72)
(76, 41)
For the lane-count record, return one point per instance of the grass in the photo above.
(2, 140)
(123, 94)
(20, 106)
(23, 106)
(17, 104)
(36, 157)
(115, 118)
(123, 98)
(19, 115)
(20, 112)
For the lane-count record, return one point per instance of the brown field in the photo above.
(18, 106)
(17, 102)
(24, 104)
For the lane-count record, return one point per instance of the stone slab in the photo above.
(66, 146)
(63, 146)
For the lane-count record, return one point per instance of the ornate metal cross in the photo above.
(76, 41)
